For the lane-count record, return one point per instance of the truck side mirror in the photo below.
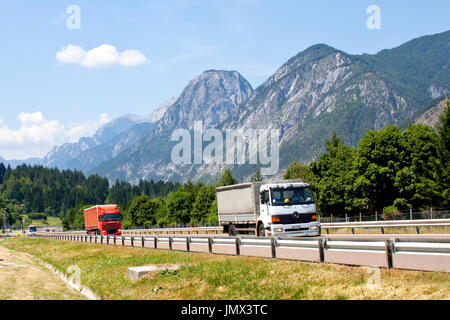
(261, 198)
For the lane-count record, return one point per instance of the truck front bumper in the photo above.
(311, 229)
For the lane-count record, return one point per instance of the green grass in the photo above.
(51, 221)
(209, 277)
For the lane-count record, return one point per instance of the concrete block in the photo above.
(137, 273)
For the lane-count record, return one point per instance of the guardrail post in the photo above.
(210, 243)
(417, 230)
(132, 241)
(123, 240)
(273, 245)
(143, 241)
(170, 243)
(389, 251)
(320, 244)
(382, 230)
(114, 239)
(353, 230)
(155, 239)
(188, 244)
(238, 246)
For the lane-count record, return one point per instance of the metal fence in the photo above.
(402, 215)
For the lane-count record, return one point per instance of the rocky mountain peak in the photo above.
(211, 97)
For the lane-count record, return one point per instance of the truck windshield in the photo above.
(292, 196)
(111, 217)
(32, 229)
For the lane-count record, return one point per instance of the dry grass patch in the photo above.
(24, 278)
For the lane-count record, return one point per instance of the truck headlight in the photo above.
(313, 228)
(279, 230)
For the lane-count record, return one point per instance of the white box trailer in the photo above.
(268, 208)
(238, 203)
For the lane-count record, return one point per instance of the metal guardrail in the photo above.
(185, 230)
(387, 224)
(400, 253)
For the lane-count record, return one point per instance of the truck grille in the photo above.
(111, 231)
(111, 225)
(294, 218)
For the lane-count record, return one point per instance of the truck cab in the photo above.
(284, 208)
(287, 209)
(103, 220)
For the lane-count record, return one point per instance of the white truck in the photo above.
(284, 208)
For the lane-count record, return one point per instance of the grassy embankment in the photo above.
(206, 276)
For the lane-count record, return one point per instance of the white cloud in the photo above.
(71, 54)
(130, 58)
(103, 56)
(75, 131)
(37, 135)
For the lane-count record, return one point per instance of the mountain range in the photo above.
(319, 91)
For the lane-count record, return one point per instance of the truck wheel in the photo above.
(232, 230)
(261, 230)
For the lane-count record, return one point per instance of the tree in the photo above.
(417, 179)
(377, 164)
(179, 207)
(331, 175)
(203, 204)
(296, 170)
(213, 216)
(137, 211)
(257, 177)
(2, 172)
(74, 218)
(226, 179)
(443, 131)
(162, 213)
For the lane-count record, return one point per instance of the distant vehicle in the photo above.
(103, 220)
(32, 229)
(285, 208)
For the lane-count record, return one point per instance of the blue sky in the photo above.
(179, 40)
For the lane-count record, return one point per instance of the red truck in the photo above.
(103, 220)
